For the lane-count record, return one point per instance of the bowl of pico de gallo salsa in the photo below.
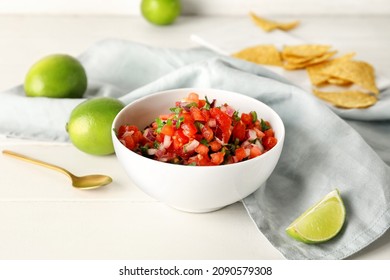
(198, 149)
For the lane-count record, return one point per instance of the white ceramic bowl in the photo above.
(196, 188)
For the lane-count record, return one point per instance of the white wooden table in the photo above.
(42, 217)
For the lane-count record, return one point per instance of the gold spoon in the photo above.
(84, 182)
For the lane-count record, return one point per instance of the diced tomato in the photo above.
(203, 160)
(217, 158)
(269, 132)
(137, 136)
(160, 137)
(226, 136)
(131, 136)
(179, 139)
(129, 142)
(189, 129)
(215, 146)
(193, 96)
(126, 128)
(205, 114)
(239, 131)
(257, 124)
(240, 154)
(223, 121)
(168, 129)
(196, 114)
(186, 117)
(207, 133)
(259, 133)
(269, 142)
(198, 137)
(201, 103)
(246, 118)
(176, 145)
(255, 151)
(179, 134)
(202, 149)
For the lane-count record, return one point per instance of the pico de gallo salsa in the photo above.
(197, 132)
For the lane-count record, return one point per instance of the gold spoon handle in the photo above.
(38, 162)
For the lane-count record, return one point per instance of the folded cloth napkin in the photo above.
(322, 151)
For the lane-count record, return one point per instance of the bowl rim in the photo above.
(279, 143)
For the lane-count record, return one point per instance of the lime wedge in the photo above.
(320, 222)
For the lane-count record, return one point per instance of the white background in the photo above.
(203, 7)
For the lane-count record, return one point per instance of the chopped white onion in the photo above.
(128, 133)
(212, 122)
(251, 134)
(259, 133)
(191, 146)
(228, 110)
(148, 134)
(258, 144)
(167, 141)
(151, 152)
(245, 144)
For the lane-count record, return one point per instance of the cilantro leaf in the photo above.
(207, 105)
(254, 116)
(264, 125)
(179, 121)
(160, 123)
(176, 110)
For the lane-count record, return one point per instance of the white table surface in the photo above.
(43, 217)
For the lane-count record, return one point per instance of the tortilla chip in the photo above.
(304, 51)
(316, 76)
(288, 26)
(347, 99)
(261, 54)
(358, 72)
(307, 63)
(317, 73)
(269, 25)
(338, 81)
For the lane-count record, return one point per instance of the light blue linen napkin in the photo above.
(325, 148)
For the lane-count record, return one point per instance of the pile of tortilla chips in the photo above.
(354, 80)
(302, 56)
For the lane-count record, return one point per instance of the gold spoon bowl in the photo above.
(80, 182)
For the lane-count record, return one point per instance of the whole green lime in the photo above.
(57, 76)
(160, 12)
(89, 125)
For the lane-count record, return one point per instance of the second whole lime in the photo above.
(56, 76)
(160, 12)
(89, 125)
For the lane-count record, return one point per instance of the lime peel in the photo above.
(321, 222)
